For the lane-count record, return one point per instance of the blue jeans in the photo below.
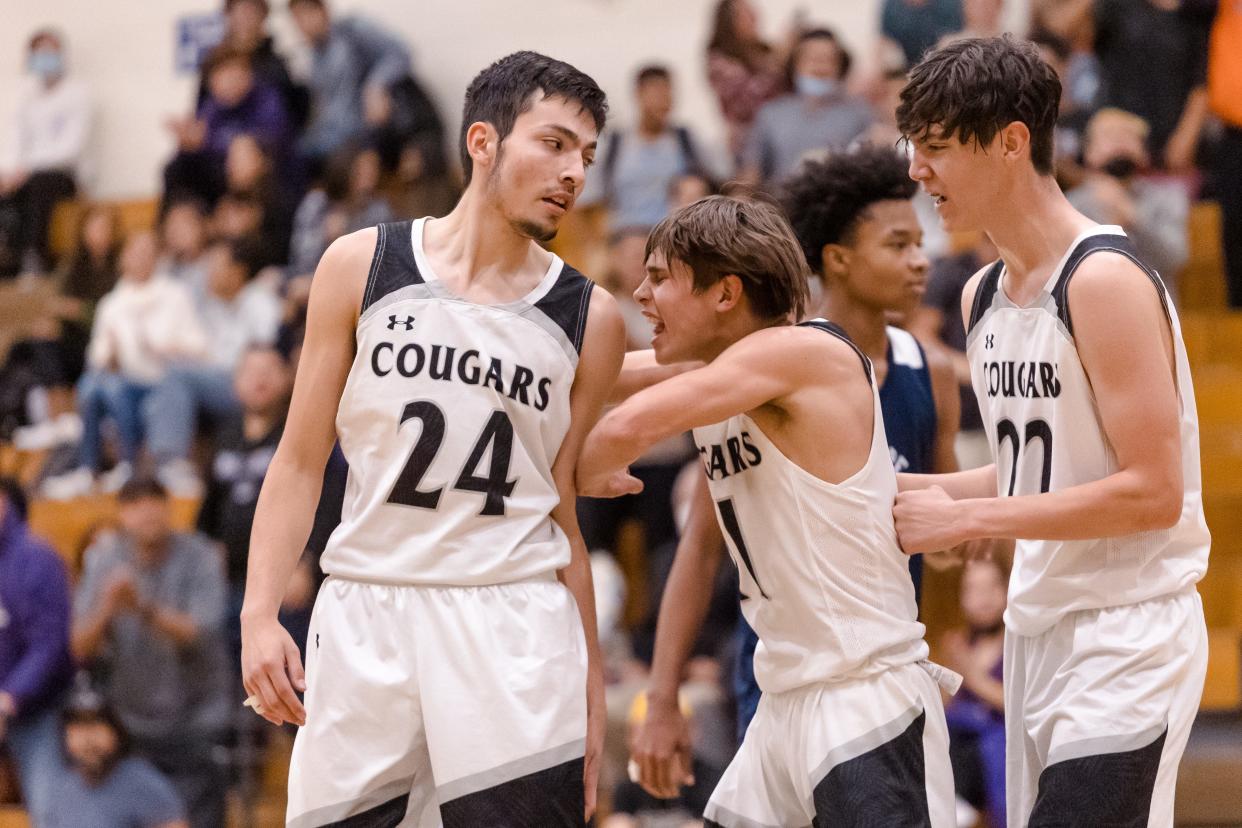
(171, 410)
(103, 395)
(34, 743)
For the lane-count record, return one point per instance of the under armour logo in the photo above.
(988, 342)
(393, 322)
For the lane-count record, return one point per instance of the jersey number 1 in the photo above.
(495, 487)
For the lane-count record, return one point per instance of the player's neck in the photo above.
(1033, 231)
(733, 328)
(866, 326)
(475, 239)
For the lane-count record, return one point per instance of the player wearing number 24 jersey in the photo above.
(1077, 361)
(850, 729)
(452, 672)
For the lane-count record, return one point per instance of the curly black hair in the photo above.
(826, 199)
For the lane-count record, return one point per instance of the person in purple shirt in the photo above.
(35, 665)
(236, 104)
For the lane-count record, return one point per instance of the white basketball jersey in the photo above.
(1044, 426)
(451, 419)
(823, 582)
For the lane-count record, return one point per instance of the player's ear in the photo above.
(483, 143)
(1014, 141)
(836, 260)
(730, 287)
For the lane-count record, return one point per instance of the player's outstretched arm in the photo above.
(752, 372)
(640, 370)
(271, 666)
(1125, 343)
(661, 748)
(603, 347)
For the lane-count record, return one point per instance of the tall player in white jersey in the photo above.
(1077, 361)
(452, 672)
(850, 730)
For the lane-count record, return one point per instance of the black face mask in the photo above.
(1121, 166)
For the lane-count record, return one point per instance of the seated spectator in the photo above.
(632, 807)
(184, 232)
(105, 786)
(149, 614)
(1154, 213)
(245, 30)
(243, 449)
(250, 177)
(348, 201)
(35, 665)
(976, 715)
(141, 327)
(422, 184)
(54, 357)
(236, 104)
(743, 70)
(980, 18)
(355, 65)
(819, 116)
(45, 155)
(236, 313)
(640, 165)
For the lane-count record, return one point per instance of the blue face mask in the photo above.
(809, 86)
(46, 63)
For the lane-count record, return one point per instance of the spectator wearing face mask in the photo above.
(43, 156)
(819, 116)
(1152, 212)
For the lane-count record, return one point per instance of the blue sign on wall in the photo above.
(197, 34)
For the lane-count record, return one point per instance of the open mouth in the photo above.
(561, 202)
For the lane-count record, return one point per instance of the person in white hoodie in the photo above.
(42, 159)
(144, 324)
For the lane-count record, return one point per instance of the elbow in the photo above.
(1162, 508)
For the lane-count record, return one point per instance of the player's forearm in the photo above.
(963, 485)
(1120, 504)
(683, 608)
(615, 442)
(282, 523)
(640, 370)
(578, 580)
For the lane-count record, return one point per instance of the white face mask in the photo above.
(809, 86)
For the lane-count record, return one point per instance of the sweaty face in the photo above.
(682, 320)
(964, 179)
(885, 265)
(540, 167)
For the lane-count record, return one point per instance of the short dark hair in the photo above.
(225, 54)
(141, 487)
(244, 252)
(652, 71)
(262, 4)
(974, 88)
(826, 200)
(721, 235)
(504, 90)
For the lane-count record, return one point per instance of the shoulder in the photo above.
(604, 328)
(1113, 284)
(342, 271)
(797, 350)
(971, 288)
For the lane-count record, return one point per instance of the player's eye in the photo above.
(588, 161)
(554, 143)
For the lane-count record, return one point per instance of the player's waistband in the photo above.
(539, 578)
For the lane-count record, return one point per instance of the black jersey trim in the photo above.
(567, 302)
(393, 266)
(1110, 243)
(985, 294)
(839, 332)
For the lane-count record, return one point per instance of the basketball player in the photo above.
(1077, 359)
(858, 230)
(452, 669)
(850, 729)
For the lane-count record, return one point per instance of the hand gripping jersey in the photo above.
(1044, 425)
(824, 583)
(451, 419)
